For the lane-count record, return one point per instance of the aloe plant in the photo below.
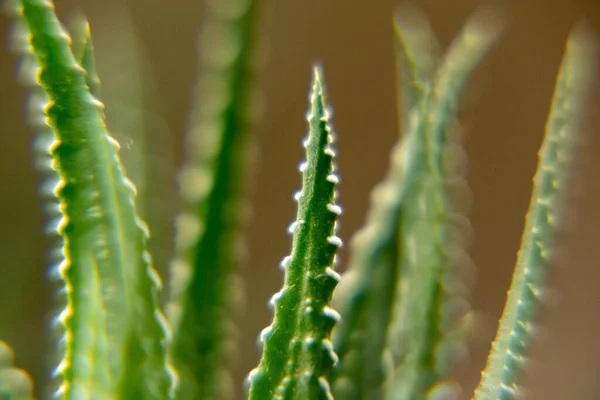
(403, 309)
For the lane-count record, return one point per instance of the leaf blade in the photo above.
(435, 230)
(297, 353)
(99, 223)
(395, 261)
(507, 356)
(213, 182)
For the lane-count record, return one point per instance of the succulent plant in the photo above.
(394, 328)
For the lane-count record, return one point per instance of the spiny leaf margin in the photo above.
(99, 225)
(88, 336)
(298, 353)
(556, 156)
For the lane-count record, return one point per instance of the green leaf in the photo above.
(425, 333)
(89, 330)
(134, 114)
(206, 286)
(507, 357)
(396, 292)
(366, 294)
(298, 353)
(15, 384)
(103, 240)
(90, 335)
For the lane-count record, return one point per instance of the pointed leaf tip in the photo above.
(298, 353)
(317, 91)
(317, 74)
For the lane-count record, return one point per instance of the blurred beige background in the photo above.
(504, 113)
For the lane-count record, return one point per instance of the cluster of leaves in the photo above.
(402, 305)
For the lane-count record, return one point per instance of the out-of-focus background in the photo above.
(147, 49)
